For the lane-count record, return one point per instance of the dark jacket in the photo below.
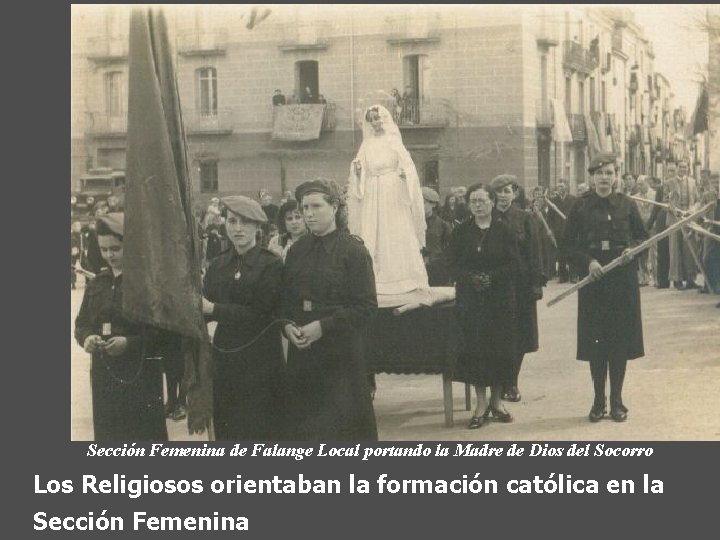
(330, 279)
(488, 317)
(127, 389)
(248, 383)
(609, 319)
(437, 239)
(530, 277)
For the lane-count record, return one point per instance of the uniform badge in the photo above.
(106, 329)
(307, 305)
(605, 245)
(237, 275)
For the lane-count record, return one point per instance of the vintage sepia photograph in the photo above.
(390, 222)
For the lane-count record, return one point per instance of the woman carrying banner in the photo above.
(241, 293)
(385, 205)
(127, 395)
(603, 226)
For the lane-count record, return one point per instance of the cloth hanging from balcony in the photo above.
(593, 139)
(603, 131)
(699, 120)
(561, 130)
(297, 122)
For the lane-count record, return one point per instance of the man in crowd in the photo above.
(278, 98)
(645, 259)
(271, 211)
(682, 194)
(461, 208)
(564, 201)
(437, 238)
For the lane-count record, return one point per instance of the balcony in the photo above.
(543, 114)
(107, 49)
(199, 43)
(104, 124)
(413, 29)
(422, 113)
(577, 127)
(306, 37)
(219, 122)
(577, 58)
(328, 123)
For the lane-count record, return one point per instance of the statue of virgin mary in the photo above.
(385, 205)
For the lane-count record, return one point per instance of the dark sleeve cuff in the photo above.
(327, 325)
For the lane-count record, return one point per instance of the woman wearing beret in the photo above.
(241, 291)
(484, 261)
(127, 394)
(385, 205)
(329, 291)
(530, 278)
(602, 226)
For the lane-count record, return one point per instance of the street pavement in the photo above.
(673, 393)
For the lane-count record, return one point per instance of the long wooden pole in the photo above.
(698, 229)
(689, 241)
(552, 205)
(631, 253)
(547, 228)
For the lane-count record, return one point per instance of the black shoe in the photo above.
(169, 409)
(479, 421)
(679, 286)
(512, 394)
(502, 416)
(663, 286)
(691, 285)
(179, 413)
(619, 414)
(597, 412)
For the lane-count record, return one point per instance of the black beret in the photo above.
(245, 207)
(321, 185)
(115, 221)
(600, 161)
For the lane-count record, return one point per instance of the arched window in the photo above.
(207, 91)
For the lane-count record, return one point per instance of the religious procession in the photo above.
(245, 320)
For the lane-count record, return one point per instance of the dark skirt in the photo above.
(489, 346)
(127, 399)
(609, 318)
(247, 396)
(328, 393)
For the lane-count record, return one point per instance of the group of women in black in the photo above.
(320, 298)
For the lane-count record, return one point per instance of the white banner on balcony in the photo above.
(297, 122)
(561, 130)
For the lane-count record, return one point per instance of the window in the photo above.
(207, 91)
(307, 82)
(581, 97)
(603, 97)
(593, 108)
(208, 176)
(114, 102)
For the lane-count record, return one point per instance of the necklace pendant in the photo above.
(237, 275)
(479, 249)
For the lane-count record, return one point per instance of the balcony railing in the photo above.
(577, 58)
(107, 48)
(196, 43)
(577, 127)
(543, 114)
(219, 122)
(107, 124)
(425, 112)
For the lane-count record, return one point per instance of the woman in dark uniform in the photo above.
(530, 278)
(241, 293)
(602, 226)
(126, 385)
(484, 260)
(329, 291)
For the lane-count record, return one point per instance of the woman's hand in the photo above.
(595, 270)
(312, 332)
(116, 345)
(295, 336)
(92, 344)
(625, 258)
